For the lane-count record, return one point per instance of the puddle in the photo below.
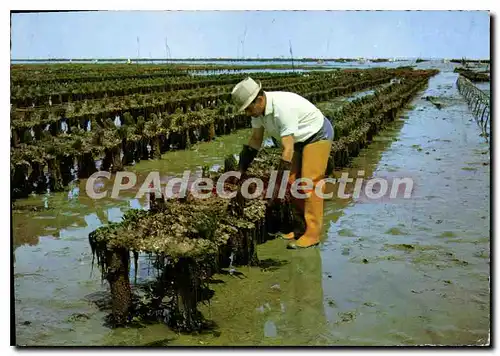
(270, 329)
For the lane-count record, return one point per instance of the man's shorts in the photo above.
(325, 133)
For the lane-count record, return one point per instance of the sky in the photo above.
(264, 34)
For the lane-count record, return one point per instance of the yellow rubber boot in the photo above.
(314, 222)
(289, 236)
(314, 162)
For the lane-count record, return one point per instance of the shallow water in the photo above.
(418, 266)
(412, 271)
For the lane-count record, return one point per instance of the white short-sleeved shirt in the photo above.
(289, 114)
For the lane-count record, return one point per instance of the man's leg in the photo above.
(314, 162)
(298, 204)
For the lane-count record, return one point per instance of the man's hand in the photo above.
(287, 142)
(240, 199)
(282, 167)
(247, 156)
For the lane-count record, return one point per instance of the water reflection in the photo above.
(73, 193)
(135, 204)
(93, 221)
(114, 215)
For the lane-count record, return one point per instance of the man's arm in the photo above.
(287, 143)
(288, 123)
(250, 151)
(256, 138)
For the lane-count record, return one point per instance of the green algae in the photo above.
(345, 232)
(448, 234)
(396, 231)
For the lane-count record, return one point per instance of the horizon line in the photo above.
(281, 58)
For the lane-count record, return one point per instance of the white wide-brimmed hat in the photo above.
(245, 92)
